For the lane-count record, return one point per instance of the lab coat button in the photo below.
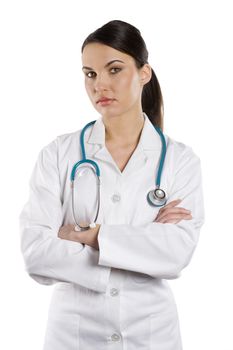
(115, 337)
(116, 198)
(114, 292)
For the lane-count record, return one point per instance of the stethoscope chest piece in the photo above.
(157, 197)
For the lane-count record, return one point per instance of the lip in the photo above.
(103, 101)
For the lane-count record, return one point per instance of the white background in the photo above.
(42, 96)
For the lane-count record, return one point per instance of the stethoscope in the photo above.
(156, 197)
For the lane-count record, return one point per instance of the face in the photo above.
(113, 82)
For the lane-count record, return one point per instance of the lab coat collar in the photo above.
(148, 146)
(149, 139)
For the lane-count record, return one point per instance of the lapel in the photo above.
(149, 145)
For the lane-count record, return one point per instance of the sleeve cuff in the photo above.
(102, 272)
(106, 246)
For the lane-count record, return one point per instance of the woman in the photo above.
(111, 279)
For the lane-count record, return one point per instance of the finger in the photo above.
(179, 216)
(173, 216)
(172, 203)
(61, 232)
(171, 221)
(174, 221)
(168, 218)
(176, 210)
(66, 232)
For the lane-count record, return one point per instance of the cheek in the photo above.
(87, 86)
(129, 85)
(89, 89)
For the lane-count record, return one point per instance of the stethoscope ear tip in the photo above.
(78, 229)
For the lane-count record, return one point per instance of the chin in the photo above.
(107, 114)
(112, 112)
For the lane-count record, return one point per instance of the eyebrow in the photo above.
(106, 65)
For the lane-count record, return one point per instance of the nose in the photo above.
(101, 82)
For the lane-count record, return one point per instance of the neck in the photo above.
(123, 129)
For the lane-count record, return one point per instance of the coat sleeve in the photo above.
(49, 259)
(157, 249)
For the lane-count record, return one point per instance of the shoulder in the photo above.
(62, 144)
(180, 153)
(68, 137)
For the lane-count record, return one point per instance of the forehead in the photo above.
(96, 54)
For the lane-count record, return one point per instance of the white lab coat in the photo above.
(117, 297)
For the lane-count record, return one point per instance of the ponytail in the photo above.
(152, 101)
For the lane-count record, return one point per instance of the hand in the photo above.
(89, 237)
(171, 214)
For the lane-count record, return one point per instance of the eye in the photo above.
(115, 70)
(90, 74)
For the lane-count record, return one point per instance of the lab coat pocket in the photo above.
(63, 322)
(62, 333)
(164, 331)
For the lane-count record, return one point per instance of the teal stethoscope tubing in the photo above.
(83, 153)
(154, 199)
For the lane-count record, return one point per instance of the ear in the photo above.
(145, 74)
